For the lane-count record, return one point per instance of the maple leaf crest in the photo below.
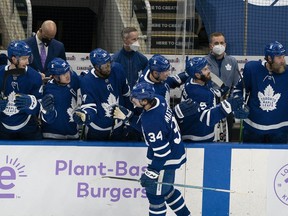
(72, 109)
(228, 67)
(11, 109)
(268, 100)
(111, 100)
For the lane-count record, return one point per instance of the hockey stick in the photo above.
(222, 123)
(172, 184)
(216, 80)
(245, 101)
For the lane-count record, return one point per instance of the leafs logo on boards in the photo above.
(281, 184)
(268, 2)
(268, 100)
(9, 175)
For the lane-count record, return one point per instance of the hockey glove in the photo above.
(48, 103)
(242, 112)
(231, 104)
(3, 104)
(23, 102)
(149, 178)
(222, 91)
(122, 113)
(81, 117)
(186, 108)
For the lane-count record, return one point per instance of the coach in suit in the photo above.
(44, 47)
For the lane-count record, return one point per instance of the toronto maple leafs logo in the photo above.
(108, 106)
(72, 109)
(228, 67)
(11, 109)
(268, 100)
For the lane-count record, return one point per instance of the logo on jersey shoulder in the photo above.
(111, 100)
(268, 99)
(11, 109)
(268, 2)
(281, 184)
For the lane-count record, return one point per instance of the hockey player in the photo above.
(265, 83)
(200, 127)
(59, 102)
(157, 73)
(20, 90)
(104, 86)
(165, 151)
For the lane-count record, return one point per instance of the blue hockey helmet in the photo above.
(158, 63)
(143, 90)
(195, 65)
(58, 66)
(274, 49)
(18, 49)
(99, 57)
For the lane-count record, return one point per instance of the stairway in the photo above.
(167, 26)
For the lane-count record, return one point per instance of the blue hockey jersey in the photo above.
(162, 135)
(99, 95)
(28, 83)
(163, 88)
(268, 98)
(200, 127)
(59, 124)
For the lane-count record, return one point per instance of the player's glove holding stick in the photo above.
(81, 117)
(149, 178)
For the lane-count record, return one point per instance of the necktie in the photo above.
(43, 55)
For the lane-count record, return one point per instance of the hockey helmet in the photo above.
(274, 49)
(99, 57)
(143, 90)
(195, 65)
(58, 66)
(18, 49)
(158, 63)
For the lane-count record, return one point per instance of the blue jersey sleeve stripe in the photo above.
(161, 147)
(162, 155)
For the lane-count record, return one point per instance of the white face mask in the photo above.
(135, 46)
(218, 49)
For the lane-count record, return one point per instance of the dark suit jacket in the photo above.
(55, 49)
